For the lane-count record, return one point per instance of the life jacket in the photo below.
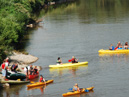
(73, 60)
(41, 80)
(58, 61)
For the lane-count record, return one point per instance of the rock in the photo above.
(22, 58)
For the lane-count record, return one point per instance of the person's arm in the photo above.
(78, 89)
(73, 88)
(44, 80)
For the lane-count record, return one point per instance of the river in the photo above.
(80, 29)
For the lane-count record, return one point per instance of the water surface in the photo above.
(80, 29)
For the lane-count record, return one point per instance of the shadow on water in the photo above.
(64, 71)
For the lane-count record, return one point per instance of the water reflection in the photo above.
(121, 54)
(63, 71)
(41, 88)
(113, 57)
(12, 90)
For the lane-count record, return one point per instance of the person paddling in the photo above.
(76, 87)
(126, 45)
(59, 61)
(74, 60)
(111, 47)
(42, 79)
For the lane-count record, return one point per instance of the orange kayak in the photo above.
(39, 83)
(78, 92)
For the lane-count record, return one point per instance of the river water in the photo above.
(80, 29)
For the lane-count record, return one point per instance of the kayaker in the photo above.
(42, 79)
(59, 61)
(74, 60)
(119, 46)
(126, 45)
(76, 87)
(111, 47)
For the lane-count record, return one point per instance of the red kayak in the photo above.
(33, 76)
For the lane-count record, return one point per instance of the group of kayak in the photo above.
(32, 73)
(119, 46)
(75, 90)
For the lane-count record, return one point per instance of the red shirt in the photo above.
(3, 66)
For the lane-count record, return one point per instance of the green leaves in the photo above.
(14, 15)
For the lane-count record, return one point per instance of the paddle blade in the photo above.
(69, 60)
(86, 90)
(32, 82)
(70, 89)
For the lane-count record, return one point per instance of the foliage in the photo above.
(14, 15)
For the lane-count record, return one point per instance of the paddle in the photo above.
(72, 89)
(69, 60)
(86, 90)
(32, 82)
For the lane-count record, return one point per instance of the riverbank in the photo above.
(22, 60)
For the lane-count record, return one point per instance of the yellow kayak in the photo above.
(68, 64)
(77, 92)
(39, 83)
(124, 51)
(36, 87)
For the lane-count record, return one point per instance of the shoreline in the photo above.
(22, 60)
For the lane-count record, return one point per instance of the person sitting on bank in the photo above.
(42, 79)
(7, 62)
(74, 60)
(14, 67)
(76, 87)
(111, 47)
(35, 70)
(3, 69)
(26, 70)
(31, 70)
(59, 61)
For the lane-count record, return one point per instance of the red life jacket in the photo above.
(41, 80)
